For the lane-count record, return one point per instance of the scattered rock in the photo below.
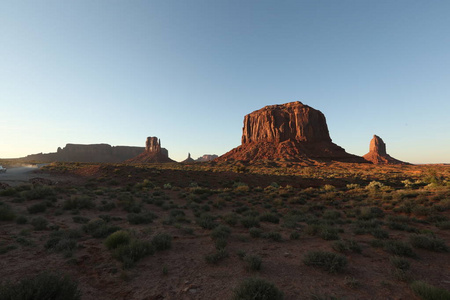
(378, 155)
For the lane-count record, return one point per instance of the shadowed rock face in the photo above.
(279, 123)
(291, 131)
(378, 155)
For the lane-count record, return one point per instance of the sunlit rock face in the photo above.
(377, 153)
(291, 131)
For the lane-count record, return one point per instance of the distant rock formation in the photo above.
(207, 157)
(189, 159)
(378, 155)
(291, 131)
(153, 153)
(102, 153)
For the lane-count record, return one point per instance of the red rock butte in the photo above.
(378, 155)
(153, 153)
(292, 132)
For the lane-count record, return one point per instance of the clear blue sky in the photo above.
(115, 72)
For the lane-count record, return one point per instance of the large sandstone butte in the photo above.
(291, 131)
(153, 153)
(378, 155)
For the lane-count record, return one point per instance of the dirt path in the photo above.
(20, 175)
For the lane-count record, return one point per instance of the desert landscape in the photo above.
(286, 215)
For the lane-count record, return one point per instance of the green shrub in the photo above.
(130, 253)
(21, 220)
(429, 292)
(428, 242)
(38, 192)
(400, 263)
(79, 202)
(63, 240)
(231, 219)
(37, 208)
(272, 235)
(253, 262)
(141, 218)
(99, 229)
(331, 214)
(39, 223)
(206, 221)
(250, 221)
(44, 286)
(380, 233)
(217, 256)
(399, 248)
(117, 239)
(162, 241)
(220, 243)
(6, 213)
(221, 232)
(269, 217)
(295, 235)
(255, 232)
(80, 219)
(345, 246)
(257, 289)
(329, 261)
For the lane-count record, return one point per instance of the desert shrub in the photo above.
(250, 221)
(257, 289)
(6, 248)
(400, 263)
(428, 242)
(162, 241)
(429, 292)
(329, 233)
(231, 219)
(80, 219)
(380, 233)
(79, 202)
(346, 246)
(37, 208)
(295, 235)
(269, 217)
(214, 258)
(329, 261)
(21, 220)
(117, 239)
(368, 213)
(130, 253)
(38, 192)
(221, 232)
(399, 248)
(63, 240)
(44, 286)
(331, 214)
(99, 229)
(272, 235)
(253, 262)
(39, 223)
(206, 221)
(220, 243)
(444, 225)
(255, 232)
(6, 213)
(141, 218)
(402, 227)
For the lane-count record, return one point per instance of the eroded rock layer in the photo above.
(291, 131)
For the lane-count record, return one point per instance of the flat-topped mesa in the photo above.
(290, 121)
(378, 155)
(291, 131)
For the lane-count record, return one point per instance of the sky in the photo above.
(115, 72)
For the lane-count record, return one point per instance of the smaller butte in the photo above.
(378, 155)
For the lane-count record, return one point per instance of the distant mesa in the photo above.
(101, 153)
(204, 158)
(292, 132)
(378, 155)
(153, 153)
(207, 157)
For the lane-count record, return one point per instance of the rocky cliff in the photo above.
(88, 153)
(291, 131)
(377, 153)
